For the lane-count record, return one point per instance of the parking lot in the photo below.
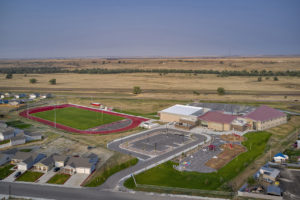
(157, 142)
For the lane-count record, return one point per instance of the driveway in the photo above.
(46, 176)
(11, 178)
(76, 180)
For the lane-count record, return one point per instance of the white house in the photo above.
(32, 136)
(18, 96)
(34, 96)
(45, 96)
(6, 133)
(20, 139)
(79, 165)
(280, 158)
(4, 158)
(25, 160)
(60, 161)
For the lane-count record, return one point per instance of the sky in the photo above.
(148, 28)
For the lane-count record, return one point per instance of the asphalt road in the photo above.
(62, 193)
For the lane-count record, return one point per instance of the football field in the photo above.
(77, 118)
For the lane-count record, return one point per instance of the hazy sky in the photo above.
(61, 28)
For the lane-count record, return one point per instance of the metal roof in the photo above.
(184, 110)
(265, 113)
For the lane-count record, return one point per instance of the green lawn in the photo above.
(78, 118)
(98, 180)
(25, 150)
(4, 141)
(166, 175)
(18, 124)
(29, 176)
(5, 171)
(59, 178)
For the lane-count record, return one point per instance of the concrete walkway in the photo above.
(46, 177)
(76, 180)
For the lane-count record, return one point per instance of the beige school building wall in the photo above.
(168, 117)
(263, 125)
(218, 126)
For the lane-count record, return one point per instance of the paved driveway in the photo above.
(46, 176)
(76, 180)
(11, 178)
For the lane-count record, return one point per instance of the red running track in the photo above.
(135, 120)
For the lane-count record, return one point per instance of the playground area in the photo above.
(229, 151)
(157, 142)
(232, 138)
(212, 157)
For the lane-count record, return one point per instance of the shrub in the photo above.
(137, 90)
(221, 91)
(275, 78)
(52, 81)
(259, 79)
(32, 80)
(9, 76)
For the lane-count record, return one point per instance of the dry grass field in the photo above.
(238, 63)
(232, 138)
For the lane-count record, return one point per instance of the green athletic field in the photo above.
(78, 118)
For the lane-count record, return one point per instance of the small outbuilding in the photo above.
(280, 158)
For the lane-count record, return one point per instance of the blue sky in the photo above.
(129, 28)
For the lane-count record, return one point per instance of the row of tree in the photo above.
(224, 73)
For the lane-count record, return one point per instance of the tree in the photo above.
(136, 90)
(259, 79)
(221, 91)
(52, 81)
(32, 80)
(275, 78)
(9, 76)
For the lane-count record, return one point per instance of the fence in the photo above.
(188, 191)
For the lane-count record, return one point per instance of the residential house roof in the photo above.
(48, 161)
(219, 117)
(275, 190)
(281, 155)
(264, 113)
(18, 137)
(270, 171)
(7, 131)
(79, 162)
(58, 158)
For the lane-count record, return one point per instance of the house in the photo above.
(25, 160)
(14, 103)
(6, 133)
(298, 144)
(280, 158)
(30, 136)
(34, 96)
(4, 158)
(45, 96)
(3, 125)
(269, 174)
(217, 120)
(44, 165)
(60, 161)
(19, 139)
(265, 117)
(7, 94)
(79, 165)
(19, 96)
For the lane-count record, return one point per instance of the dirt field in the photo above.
(232, 138)
(225, 156)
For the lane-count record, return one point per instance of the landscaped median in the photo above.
(59, 179)
(5, 171)
(165, 175)
(30, 176)
(108, 171)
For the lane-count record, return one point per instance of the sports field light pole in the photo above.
(55, 114)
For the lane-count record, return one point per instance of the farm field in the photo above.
(78, 118)
(166, 175)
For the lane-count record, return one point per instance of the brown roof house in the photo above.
(265, 117)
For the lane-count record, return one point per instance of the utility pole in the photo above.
(55, 114)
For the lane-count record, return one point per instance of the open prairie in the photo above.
(238, 63)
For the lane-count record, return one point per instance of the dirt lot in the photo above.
(232, 138)
(225, 156)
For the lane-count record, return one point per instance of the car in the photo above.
(18, 174)
(56, 169)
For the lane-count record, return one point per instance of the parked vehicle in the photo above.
(56, 169)
(18, 174)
